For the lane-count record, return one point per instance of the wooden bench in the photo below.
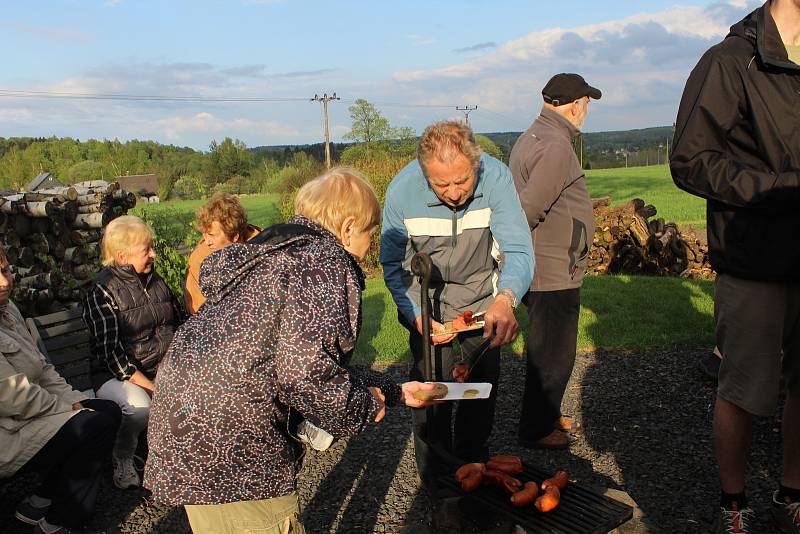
(64, 340)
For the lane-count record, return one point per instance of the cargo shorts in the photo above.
(758, 333)
(280, 515)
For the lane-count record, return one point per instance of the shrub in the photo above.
(174, 236)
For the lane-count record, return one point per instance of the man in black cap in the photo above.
(552, 189)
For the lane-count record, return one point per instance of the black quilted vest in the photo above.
(146, 314)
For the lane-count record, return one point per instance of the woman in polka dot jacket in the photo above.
(275, 335)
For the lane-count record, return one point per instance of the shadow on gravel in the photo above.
(362, 484)
(651, 415)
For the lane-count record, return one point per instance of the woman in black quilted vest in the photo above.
(131, 315)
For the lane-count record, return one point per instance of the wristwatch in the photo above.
(512, 298)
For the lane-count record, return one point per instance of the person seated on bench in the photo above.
(48, 427)
(131, 315)
(222, 220)
(273, 340)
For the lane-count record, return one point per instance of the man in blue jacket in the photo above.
(459, 206)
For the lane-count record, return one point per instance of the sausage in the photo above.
(467, 469)
(526, 495)
(507, 458)
(549, 499)
(501, 480)
(559, 479)
(473, 481)
(511, 468)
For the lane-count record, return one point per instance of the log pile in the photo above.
(629, 239)
(52, 240)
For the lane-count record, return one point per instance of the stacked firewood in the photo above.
(629, 239)
(52, 240)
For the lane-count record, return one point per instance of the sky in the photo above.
(415, 60)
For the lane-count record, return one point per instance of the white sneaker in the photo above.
(125, 475)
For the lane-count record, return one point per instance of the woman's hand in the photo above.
(378, 394)
(408, 390)
(435, 325)
(138, 378)
(77, 407)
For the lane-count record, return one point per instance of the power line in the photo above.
(159, 98)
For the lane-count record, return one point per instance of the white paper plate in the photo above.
(458, 391)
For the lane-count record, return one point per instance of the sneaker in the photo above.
(557, 439)
(30, 514)
(125, 475)
(785, 515)
(734, 521)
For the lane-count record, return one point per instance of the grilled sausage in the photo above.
(512, 468)
(473, 481)
(559, 480)
(467, 469)
(549, 499)
(526, 495)
(501, 480)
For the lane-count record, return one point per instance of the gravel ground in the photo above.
(646, 430)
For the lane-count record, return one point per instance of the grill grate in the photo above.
(580, 511)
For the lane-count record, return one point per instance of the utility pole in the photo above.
(325, 99)
(467, 110)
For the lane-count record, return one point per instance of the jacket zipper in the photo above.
(453, 243)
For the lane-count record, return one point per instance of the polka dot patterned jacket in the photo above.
(275, 335)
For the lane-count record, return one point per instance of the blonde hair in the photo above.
(446, 140)
(339, 193)
(228, 211)
(120, 235)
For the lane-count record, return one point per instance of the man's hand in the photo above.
(435, 325)
(500, 323)
(378, 394)
(461, 372)
(77, 407)
(408, 390)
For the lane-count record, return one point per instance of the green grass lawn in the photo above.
(621, 313)
(652, 184)
(262, 210)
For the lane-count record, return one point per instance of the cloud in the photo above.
(640, 62)
(477, 47)
(246, 71)
(54, 33)
(174, 127)
(420, 40)
(305, 73)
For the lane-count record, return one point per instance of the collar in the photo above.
(548, 117)
(769, 46)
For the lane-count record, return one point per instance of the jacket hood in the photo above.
(222, 270)
(760, 30)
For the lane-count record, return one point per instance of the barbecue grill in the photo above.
(581, 511)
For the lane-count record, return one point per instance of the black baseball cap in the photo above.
(565, 88)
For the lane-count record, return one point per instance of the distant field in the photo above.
(653, 185)
(262, 210)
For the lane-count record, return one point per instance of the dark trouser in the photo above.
(71, 462)
(473, 419)
(550, 351)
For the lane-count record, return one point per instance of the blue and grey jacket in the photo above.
(477, 249)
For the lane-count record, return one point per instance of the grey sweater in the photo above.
(552, 190)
